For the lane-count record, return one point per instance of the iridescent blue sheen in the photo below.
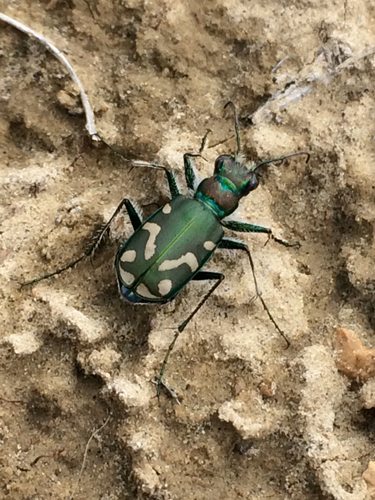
(131, 296)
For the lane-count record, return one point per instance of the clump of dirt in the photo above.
(256, 420)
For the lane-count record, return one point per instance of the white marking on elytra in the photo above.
(126, 277)
(145, 292)
(164, 287)
(209, 245)
(154, 230)
(128, 256)
(189, 259)
(167, 209)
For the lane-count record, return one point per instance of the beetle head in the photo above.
(232, 178)
(234, 169)
(231, 181)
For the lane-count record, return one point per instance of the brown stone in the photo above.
(354, 359)
(369, 477)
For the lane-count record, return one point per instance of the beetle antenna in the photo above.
(281, 159)
(204, 140)
(237, 128)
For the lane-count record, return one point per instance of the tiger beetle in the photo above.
(170, 248)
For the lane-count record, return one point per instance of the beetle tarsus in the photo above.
(171, 393)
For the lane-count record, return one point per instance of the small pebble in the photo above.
(353, 359)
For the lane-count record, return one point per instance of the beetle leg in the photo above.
(168, 390)
(191, 174)
(174, 188)
(134, 214)
(245, 227)
(58, 271)
(135, 219)
(172, 182)
(201, 276)
(233, 244)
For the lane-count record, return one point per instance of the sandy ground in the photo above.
(256, 420)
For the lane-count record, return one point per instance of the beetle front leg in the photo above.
(246, 227)
(135, 219)
(191, 174)
(233, 244)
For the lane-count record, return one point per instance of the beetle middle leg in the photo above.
(135, 219)
(233, 244)
(174, 188)
(201, 276)
(171, 178)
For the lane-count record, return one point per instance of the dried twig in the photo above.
(355, 57)
(90, 121)
(55, 454)
(13, 401)
(302, 85)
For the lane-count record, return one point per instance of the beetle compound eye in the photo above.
(221, 163)
(250, 184)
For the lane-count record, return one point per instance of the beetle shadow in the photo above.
(130, 324)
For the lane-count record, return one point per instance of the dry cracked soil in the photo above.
(256, 420)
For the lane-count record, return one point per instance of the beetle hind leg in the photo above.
(201, 276)
(99, 238)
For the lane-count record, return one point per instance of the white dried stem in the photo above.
(303, 84)
(356, 57)
(90, 121)
(94, 434)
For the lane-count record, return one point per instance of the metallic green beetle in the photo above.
(171, 247)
